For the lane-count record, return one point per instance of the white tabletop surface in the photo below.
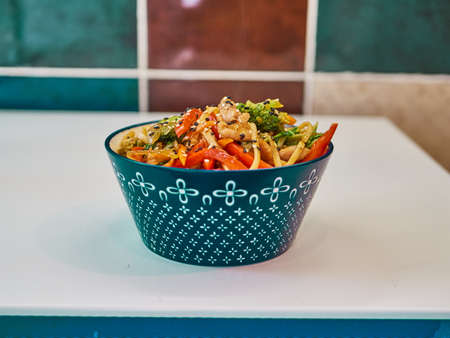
(375, 242)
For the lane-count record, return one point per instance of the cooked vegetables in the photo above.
(320, 145)
(187, 120)
(265, 115)
(228, 161)
(245, 157)
(229, 136)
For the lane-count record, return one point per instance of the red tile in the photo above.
(176, 95)
(231, 34)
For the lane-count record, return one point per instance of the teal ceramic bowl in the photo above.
(216, 218)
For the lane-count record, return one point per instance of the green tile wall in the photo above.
(68, 33)
(384, 36)
(8, 50)
(68, 93)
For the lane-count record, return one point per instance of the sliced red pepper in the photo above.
(136, 157)
(137, 148)
(177, 164)
(187, 120)
(193, 153)
(195, 157)
(169, 163)
(215, 131)
(224, 141)
(217, 154)
(290, 120)
(320, 145)
(208, 163)
(214, 127)
(246, 158)
(201, 144)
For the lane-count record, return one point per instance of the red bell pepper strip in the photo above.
(224, 141)
(246, 158)
(214, 127)
(193, 152)
(208, 163)
(169, 163)
(186, 121)
(178, 164)
(201, 144)
(290, 120)
(320, 145)
(220, 155)
(136, 157)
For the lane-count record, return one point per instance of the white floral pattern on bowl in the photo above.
(229, 226)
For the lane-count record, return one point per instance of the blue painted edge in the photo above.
(121, 327)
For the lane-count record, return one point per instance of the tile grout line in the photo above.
(228, 75)
(163, 74)
(142, 51)
(118, 73)
(382, 77)
(237, 75)
(310, 56)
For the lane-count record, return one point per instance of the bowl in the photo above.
(216, 218)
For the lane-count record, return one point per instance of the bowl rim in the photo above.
(188, 170)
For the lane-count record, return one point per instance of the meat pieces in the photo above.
(286, 153)
(231, 122)
(230, 113)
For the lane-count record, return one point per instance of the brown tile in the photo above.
(421, 110)
(232, 34)
(176, 95)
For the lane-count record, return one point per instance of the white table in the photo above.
(375, 242)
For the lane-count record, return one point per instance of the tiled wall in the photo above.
(317, 56)
(390, 41)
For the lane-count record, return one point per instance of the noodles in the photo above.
(296, 154)
(281, 141)
(275, 154)
(210, 138)
(265, 149)
(230, 136)
(304, 153)
(308, 132)
(256, 152)
(203, 126)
